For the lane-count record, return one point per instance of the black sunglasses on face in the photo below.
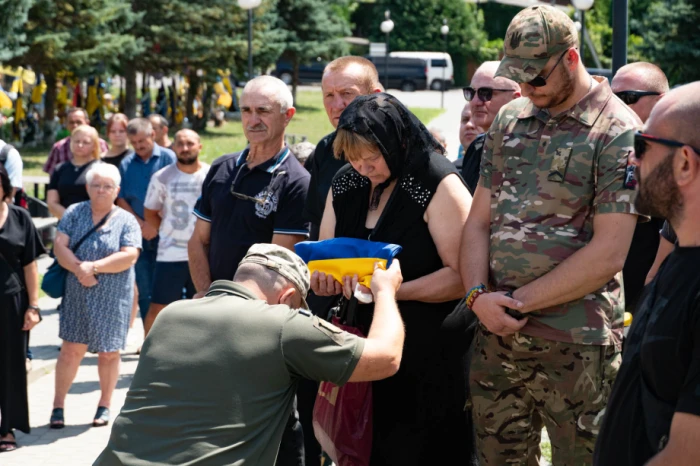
(632, 97)
(541, 81)
(484, 93)
(640, 143)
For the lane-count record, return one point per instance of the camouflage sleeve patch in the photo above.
(611, 192)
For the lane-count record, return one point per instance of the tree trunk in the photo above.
(201, 124)
(49, 107)
(191, 94)
(130, 90)
(295, 78)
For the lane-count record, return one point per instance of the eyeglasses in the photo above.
(640, 144)
(484, 93)
(632, 97)
(107, 187)
(541, 81)
(271, 187)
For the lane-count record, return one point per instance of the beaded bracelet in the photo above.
(475, 293)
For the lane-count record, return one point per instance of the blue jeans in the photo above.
(145, 266)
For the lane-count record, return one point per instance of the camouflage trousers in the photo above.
(520, 383)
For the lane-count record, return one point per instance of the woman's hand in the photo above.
(88, 281)
(325, 285)
(85, 269)
(31, 318)
(349, 285)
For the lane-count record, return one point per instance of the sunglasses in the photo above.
(484, 93)
(640, 143)
(271, 187)
(632, 97)
(541, 81)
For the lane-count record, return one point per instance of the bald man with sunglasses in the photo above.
(546, 238)
(486, 94)
(653, 417)
(640, 85)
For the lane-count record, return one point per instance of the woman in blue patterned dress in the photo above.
(99, 289)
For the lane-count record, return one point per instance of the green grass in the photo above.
(310, 121)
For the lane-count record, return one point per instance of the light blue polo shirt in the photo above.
(136, 175)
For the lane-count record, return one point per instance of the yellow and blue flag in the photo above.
(346, 256)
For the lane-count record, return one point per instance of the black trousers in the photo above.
(291, 452)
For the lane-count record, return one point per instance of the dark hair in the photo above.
(5, 181)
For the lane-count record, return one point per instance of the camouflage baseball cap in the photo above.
(533, 36)
(284, 262)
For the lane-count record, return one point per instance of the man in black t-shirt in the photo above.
(253, 196)
(343, 79)
(640, 85)
(653, 413)
(486, 95)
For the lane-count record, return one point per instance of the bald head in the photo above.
(676, 115)
(647, 76)
(484, 112)
(641, 76)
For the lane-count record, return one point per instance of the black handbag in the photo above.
(54, 282)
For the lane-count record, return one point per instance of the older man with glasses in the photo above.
(542, 250)
(253, 196)
(640, 86)
(485, 96)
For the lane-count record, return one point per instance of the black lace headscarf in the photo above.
(402, 139)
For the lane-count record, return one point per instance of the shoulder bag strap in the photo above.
(94, 229)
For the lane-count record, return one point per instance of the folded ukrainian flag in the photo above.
(346, 256)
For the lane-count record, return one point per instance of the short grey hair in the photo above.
(157, 118)
(104, 170)
(139, 126)
(270, 85)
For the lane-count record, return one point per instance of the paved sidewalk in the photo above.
(78, 444)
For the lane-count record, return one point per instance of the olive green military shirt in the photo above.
(217, 377)
(548, 177)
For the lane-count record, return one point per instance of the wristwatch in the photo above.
(94, 270)
(514, 313)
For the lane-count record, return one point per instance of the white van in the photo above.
(436, 63)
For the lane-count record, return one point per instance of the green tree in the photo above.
(81, 36)
(312, 28)
(199, 35)
(672, 39)
(418, 25)
(14, 15)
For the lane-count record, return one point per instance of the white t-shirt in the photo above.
(174, 193)
(13, 165)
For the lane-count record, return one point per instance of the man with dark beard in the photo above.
(172, 195)
(547, 236)
(653, 417)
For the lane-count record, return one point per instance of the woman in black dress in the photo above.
(20, 245)
(399, 188)
(118, 141)
(67, 183)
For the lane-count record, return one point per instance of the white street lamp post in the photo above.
(249, 5)
(386, 27)
(582, 6)
(444, 30)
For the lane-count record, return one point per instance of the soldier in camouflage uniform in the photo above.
(548, 232)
